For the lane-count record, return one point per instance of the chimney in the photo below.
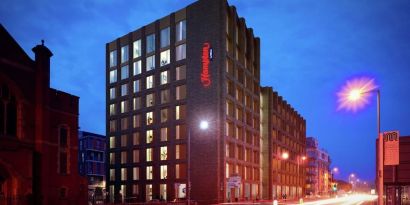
(42, 63)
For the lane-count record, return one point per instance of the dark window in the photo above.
(63, 137)
(63, 192)
(8, 112)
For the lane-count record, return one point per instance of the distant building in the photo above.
(92, 158)
(318, 177)
(283, 130)
(38, 131)
(400, 181)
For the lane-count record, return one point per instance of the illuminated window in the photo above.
(164, 134)
(181, 72)
(163, 191)
(165, 37)
(181, 92)
(165, 96)
(124, 90)
(150, 63)
(164, 172)
(149, 172)
(113, 76)
(180, 132)
(164, 153)
(136, 121)
(148, 192)
(150, 81)
(136, 103)
(123, 157)
(137, 67)
(180, 52)
(124, 54)
(112, 158)
(112, 142)
(180, 111)
(112, 110)
(150, 136)
(137, 86)
(112, 174)
(124, 72)
(137, 48)
(123, 174)
(164, 115)
(149, 118)
(113, 58)
(180, 30)
(150, 43)
(136, 156)
(164, 77)
(180, 151)
(124, 106)
(165, 58)
(135, 173)
(150, 100)
(112, 93)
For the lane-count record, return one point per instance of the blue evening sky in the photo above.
(309, 48)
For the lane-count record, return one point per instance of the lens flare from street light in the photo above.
(355, 94)
(285, 155)
(204, 125)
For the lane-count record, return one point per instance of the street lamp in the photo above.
(285, 155)
(303, 158)
(354, 95)
(203, 125)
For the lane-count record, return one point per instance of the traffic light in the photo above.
(334, 187)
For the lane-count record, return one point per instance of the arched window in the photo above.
(8, 112)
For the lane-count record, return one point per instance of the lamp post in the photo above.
(303, 158)
(203, 125)
(354, 96)
(332, 173)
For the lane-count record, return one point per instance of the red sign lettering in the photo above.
(205, 75)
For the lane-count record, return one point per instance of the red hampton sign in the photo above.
(206, 58)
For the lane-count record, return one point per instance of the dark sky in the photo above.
(309, 49)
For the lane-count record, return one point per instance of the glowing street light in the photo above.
(285, 155)
(335, 169)
(354, 95)
(204, 125)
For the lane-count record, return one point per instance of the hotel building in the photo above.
(318, 169)
(283, 132)
(198, 64)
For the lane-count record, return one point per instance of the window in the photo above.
(150, 63)
(181, 92)
(123, 174)
(124, 90)
(124, 72)
(180, 132)
(165, 96)
(150, 43)
(112, 142)
(165, 58)
(113, 58)
(149, 154)
(137, 86)
(136, 104)
(180, 151)
(164, 115)
(124, 106)
(180, 171)
(164, 153)
(136, 121)
(123, 140)
(123, 157)
(112, 93)
(180, 52)
(150, 100)
(149, 172)
(112, 158)
(180, 30)
(113, 76)
(113, 126)
(137, 48)
(148, 192)
(112, 109)
(180, 111)
(136, 156)
(135, 173)
(124, 123)
(124, 54)
(165, 37)
(164, 172)
(164, 134)
(150, 81)
(150, 118)
(163, 191)
(112, 174)
(137, 67)
(136, 138)
(164, 77)
(150, 136)
(181, 72)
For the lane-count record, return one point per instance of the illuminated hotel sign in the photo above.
(207, 55)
